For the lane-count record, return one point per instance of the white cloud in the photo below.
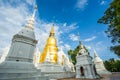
(88, 47)
(90, 39)
(67, 28)
(11, 20)
(5, 52)
(66, 46)
(98, 46)
(12, 17)
(30, 2)
(74, 37)
(64, 24)
(103, 2)
(81, 4)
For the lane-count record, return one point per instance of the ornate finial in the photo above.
(30, 23)
(52, 31)
(80, 43)
(35, 9)
(79, 38)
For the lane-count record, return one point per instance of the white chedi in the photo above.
(36, 57)
(99, 65)
(62, 57)
(64, 60)
(18, 62)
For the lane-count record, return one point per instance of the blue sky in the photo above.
(70, 18)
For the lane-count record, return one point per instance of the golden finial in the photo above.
(52, 31)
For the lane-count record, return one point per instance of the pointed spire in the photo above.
(30, 22)
(78, 36)
(95, 54)
(96, 57)
(80, 43)
(52, 31)
(34, 12)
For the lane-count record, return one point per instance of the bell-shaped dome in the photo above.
(51, 41)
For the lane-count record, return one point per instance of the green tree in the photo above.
(73, 53)
(112, 65)
(111, 18)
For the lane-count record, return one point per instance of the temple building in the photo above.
(99, 65)
(84, 66)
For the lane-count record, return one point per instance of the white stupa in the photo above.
(100, 68)
(36, 57)
(18, 64)
(65, 61)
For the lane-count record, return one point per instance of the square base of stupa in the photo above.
(13, 70)
(55, 71)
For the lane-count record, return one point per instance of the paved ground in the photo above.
(114, 76)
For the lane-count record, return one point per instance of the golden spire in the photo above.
(52, 31)
(51, 48)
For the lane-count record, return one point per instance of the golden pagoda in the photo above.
(50, 48)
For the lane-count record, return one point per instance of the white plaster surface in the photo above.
(85, 61)
(100, 68)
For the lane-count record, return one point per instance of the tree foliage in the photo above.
(112, 65)
(111, 17)
(73, 53)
